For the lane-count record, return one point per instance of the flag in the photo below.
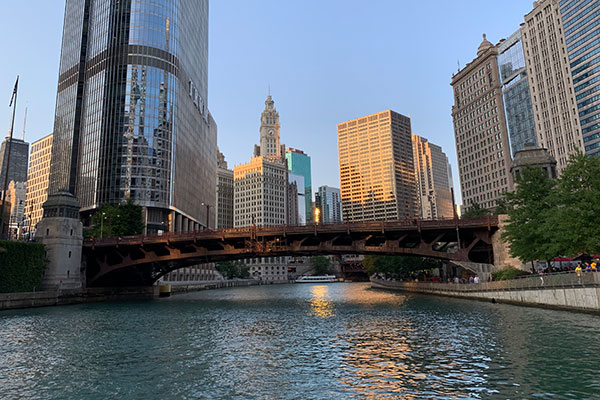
(14, 94)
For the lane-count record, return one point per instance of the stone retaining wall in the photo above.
(565, 291)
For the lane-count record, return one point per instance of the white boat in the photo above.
(317, 279)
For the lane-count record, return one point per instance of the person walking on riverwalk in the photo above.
(578, 272)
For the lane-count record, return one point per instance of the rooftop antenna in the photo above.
(269, 89)
(24, 123)
(458, 64)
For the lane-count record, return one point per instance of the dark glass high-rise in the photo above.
(131, 111)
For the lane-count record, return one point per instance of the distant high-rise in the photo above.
(299, 164)
(297, 206)
(131, 111)
(38, 179)
(581, 29)
(19, 155)
(433, 179)
(515, 91)
(377, 174)
(549, 74)
(16, 194)
(329, 201)
(224, 199)
(260, 193)
(480, 130)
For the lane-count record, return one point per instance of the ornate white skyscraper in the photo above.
(270, 144)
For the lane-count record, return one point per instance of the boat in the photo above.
(317, 279)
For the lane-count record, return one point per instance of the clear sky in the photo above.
(327, 61)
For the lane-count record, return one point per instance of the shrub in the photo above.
(21, 266)
(508, 273)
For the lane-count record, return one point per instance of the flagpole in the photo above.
(10, 136)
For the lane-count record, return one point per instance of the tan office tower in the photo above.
(552, 94)
(38, 179)
(433, 179)
(377, 174)
(480, 131)
(260, 190)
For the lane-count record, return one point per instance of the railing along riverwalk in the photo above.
(529, 282)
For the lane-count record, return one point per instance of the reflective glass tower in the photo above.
(515, 90)
(581, 27)
(299, 163)
(131, 113)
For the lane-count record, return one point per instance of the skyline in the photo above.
(337, 72)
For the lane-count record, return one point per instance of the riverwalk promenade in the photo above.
(561, 290)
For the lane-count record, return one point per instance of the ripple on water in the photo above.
(335, 341)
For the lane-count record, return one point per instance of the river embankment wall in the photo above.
(560, 291)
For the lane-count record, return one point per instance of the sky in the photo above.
(325, 61)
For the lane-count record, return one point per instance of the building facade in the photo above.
(299, 164)
(224, 198)
(433, 180)
(515, 91)
(131, 112)
(581, 29)
(480, 130)
(16, 194)
(38, 180)
(19, 155)
(549, 73)
(329, 202)
(376, 168)
(260, 190)
(270, 132)
(296, 203)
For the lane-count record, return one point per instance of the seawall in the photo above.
(561, 291)
(10, 301)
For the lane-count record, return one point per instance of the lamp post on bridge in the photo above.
(207, 213)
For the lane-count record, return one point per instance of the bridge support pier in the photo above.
(502, 257)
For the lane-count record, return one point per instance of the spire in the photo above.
(24, 124)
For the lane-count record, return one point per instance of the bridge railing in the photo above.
(556, 280)
(283, 229)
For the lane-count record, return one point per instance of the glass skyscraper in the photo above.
(299, 164)
(131, 113)
(515, 91)
(581, 27)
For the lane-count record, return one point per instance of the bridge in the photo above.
(141, 260)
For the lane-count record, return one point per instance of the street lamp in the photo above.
(207, 213)
(102, 224)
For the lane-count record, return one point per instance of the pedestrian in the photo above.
(476, 279)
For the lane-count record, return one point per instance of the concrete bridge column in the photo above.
(184, 224)
(177, 222)
(502, 257)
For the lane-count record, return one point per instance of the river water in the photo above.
(310, 341)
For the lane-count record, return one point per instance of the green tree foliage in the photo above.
(320, 264)
(233, 269)
(121, 220)
(22, 265)
(397, 265)
(548, 217)
(508, 273)
(577, 220)
(475, 210)
(530, 207)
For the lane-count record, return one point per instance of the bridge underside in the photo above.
(142, 260)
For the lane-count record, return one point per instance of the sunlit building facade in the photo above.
(480, 130)
(38, 180)
(549, 73)
(224, 198)
(581, 28)
(433, 179)
(131, 111)
(376, 168)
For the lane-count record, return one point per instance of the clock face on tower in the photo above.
(271, 132)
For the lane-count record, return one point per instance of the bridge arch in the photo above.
(141, 260)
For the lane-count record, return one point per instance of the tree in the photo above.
(530, 207)
(233, 269)
(320, 264)
(578, 217)
(397, 265)
(121, 220)
(475, 210)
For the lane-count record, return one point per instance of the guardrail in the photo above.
(548, 281)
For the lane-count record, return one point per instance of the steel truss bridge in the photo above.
(141, 260)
